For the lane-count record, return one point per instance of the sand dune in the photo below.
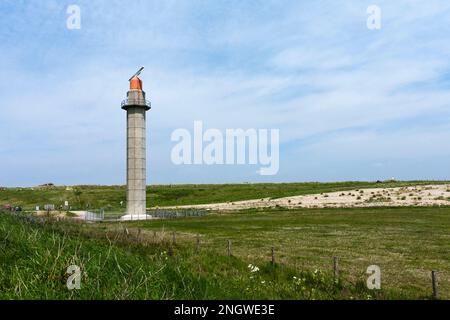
(424, 195)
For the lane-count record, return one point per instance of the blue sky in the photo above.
(350, 103)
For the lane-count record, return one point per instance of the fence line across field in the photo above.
(94, 215)
(435, 293)
(152, 214)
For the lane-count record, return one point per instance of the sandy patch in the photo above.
(424, 195)
(81, 215)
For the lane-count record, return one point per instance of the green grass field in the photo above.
(406, 243)
(137, 260)
(34, 258)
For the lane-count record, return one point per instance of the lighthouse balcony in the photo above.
(136, 102)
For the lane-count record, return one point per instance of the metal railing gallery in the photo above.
(138, 102)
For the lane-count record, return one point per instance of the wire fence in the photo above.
(172, 214)
(342, 269)
(94, 215)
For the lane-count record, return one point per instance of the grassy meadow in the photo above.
(406, 243)
(34, 257)
(140, 260)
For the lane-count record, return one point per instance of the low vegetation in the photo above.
(35, 255)
(407, 243)
(111, 197)
(187, 258)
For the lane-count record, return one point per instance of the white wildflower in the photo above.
(253, 268)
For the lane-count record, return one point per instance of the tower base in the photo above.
(136, 217)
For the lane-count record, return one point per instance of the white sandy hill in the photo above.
(424, 195)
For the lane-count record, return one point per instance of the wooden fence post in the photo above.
(435, 283)
(197, 248)
(273, 256)
(336, 268)
(229, 248)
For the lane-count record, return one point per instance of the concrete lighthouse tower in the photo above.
(136, 106)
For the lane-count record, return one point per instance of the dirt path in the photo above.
(424, 195)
